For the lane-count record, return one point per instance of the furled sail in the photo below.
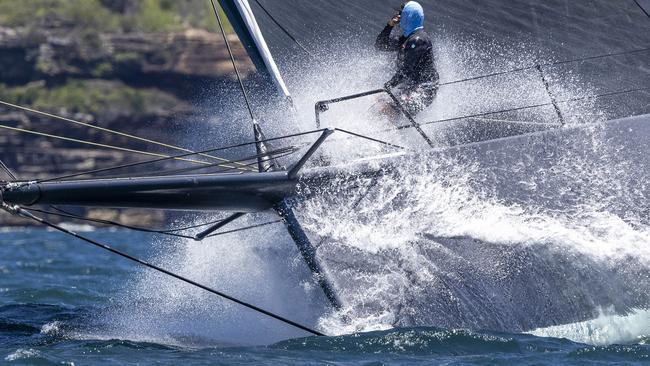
(241, 17)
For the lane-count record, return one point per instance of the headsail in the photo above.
(243, 20)
(577, 31)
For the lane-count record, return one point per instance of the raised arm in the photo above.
(384, 41)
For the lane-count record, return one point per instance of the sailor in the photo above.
(416, 77)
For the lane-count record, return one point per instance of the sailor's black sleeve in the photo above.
(384, 41)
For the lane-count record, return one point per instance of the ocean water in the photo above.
(62, 301)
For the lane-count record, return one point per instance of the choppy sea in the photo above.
(58, 297)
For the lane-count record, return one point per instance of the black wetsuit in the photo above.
(416, 73)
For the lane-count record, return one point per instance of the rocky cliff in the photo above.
(138, 82)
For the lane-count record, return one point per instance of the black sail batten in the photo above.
(645, 6)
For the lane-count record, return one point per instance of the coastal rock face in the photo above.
(144, 58)
(141, 83)
(133, 83)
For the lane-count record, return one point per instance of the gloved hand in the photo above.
(395, 20)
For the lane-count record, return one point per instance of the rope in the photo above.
(102, 145)
(232, 59)
(60, 118)
(28, 215)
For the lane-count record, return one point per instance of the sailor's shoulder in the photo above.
(418, 38)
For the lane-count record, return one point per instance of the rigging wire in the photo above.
(103, 170)
(167, 173)
(529, 107)
(274, 154)
(60, 118)
(111, 223)
(167, 232)
(232, 59)
(22, 130)
(283, 29)
(484, 119)
(245, 228)
(7, 170)
(526, 68)
(371, 139)
(183, 228)
(26, 214)
(282, 152)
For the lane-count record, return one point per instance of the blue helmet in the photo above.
(412, 18)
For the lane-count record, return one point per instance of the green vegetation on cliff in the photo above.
(97, 97)
(135, 66)
(108, 15)
(99, 56)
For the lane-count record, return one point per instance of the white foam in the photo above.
(76, 227)
(608, 328)
(259, 267)
(22, 353)
(52, 328)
